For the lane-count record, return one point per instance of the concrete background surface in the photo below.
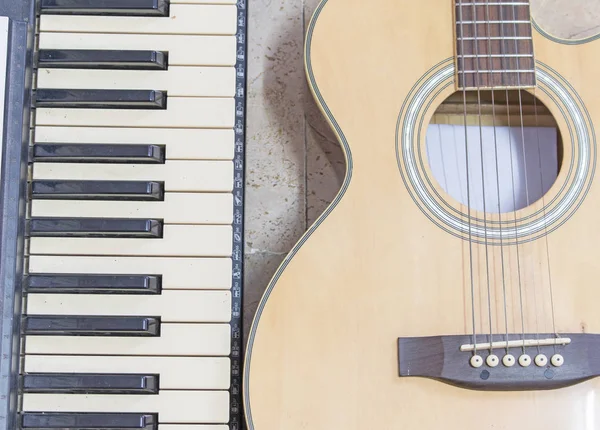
(294, 165)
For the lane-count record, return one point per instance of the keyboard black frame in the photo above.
(13, 200)
(13, 182)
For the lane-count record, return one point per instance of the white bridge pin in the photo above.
(557, 360)
(492, 360)
(541, 360)
(524, 360)
(508, 360)
(476, 361)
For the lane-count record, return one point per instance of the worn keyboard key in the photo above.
(172, 306)
(194, 19)
(60, 283)
(176, 208)
(209, 339)
(98, 153)
(173, 407)
(90, 326)
(178, 81)
(95, 227)
(176, 273)
(176, 373)
(180, 112)
(102, 59)
(100, 99)
(176, 241)
(97, 190)
(184, 50)
(177, 176)
(90, 383)
(179, 143)
(156, 8)
(88, 421)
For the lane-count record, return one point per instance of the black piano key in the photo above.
(96, 227)
(100, 99)
(98, 153)
(68, 325)
(88, 421)
(93, 284)
(89, 383)
(106, 7)
(102, 59)
(98, 190)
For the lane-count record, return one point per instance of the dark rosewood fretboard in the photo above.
(493, 44)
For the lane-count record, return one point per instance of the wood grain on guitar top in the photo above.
(322, 353)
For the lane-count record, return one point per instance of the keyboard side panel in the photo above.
(13, 185)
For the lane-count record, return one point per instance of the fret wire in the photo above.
(495, 4)
(497, 71)
(496, 38)
(495, 55)
(494, 22)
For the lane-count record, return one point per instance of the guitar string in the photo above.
(464, 91)
(512, 175)
(491, 78)
(545, 223)
(553, 316)
(533, 283)
(485, 232)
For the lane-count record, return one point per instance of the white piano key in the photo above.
(175, 373)
(179, 176)
(180, 143)
(183, 19)
(177, 241)
(177, 273)
(172, 406)
(177, 208)
(171, 306)
(174, 340)
(184, 50)
(177, 81)
(182, 112)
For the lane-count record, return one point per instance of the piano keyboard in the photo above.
(131, 314)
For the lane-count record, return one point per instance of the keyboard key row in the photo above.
(170, 306)
(171, 406)
(185, 273)
(174, 339)
(176, 241)
(174, 208)
(183, 50)
(177, 176)
(176, 373)
(176, 81)
(179, 144)
(190, 19)
(180, 112)
(104, 421)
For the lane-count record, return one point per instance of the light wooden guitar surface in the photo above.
(378, 265)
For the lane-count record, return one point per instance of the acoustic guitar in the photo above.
(423, 302)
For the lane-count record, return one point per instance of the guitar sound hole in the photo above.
(514, 149)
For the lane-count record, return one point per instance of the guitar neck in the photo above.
(494, 44)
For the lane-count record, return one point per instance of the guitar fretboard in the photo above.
(494, 44)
